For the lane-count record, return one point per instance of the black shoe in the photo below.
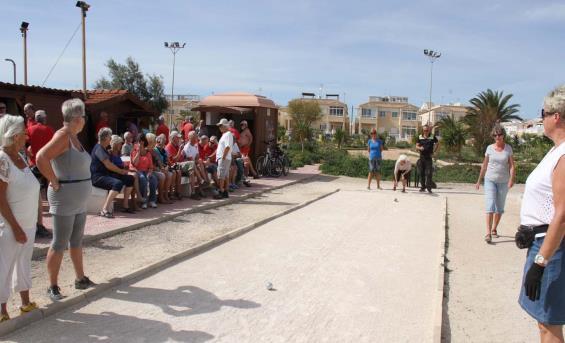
(201, 193)
(42, 232)
(247, 183)
(218, 196)
(84, 283)
(54, 293)
(422, 190)
(195, 196)
(256, 177)
(225, 195)
(429, 190)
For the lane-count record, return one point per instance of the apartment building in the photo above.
(181, 102)
(391, 114)
(334, 113)
(438, 112)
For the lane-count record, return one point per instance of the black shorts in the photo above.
(42, 180)
(399, 174)
(113, 182)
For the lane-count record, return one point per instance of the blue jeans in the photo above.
(152, 181)
(495, 196)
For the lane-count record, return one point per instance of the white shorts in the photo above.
(223, 168)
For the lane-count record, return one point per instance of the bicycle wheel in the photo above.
(277, 167)
(286, 165)
(260, 165)
(267, 166)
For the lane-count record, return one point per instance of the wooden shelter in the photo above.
(260, 113)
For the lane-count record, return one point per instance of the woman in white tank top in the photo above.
(543, 207)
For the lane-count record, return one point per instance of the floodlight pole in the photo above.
(174, 47)
(432, 56)
(23, 30)
(13, 65)
(83, 9)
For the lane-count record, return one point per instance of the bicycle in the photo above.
(274, 163)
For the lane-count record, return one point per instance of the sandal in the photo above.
(488, 238)
(494, 234)
(106, 214)
(28, 308)
(4, 317)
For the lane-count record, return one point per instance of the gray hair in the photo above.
(72, 108)
(40, 116)
(161, 138)
(127, 134)
(161, 119)
(116, 140)
(191, 134)
(498, 130)
(555, 101)
(104, 133)
(173, 134)
(28, 106)
(9, 127)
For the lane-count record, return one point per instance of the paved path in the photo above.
(348, 268)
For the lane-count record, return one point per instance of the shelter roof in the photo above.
(237, 99)
(100, 98)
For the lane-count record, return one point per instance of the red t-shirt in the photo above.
(39, 135)
(144, 163)
(186, 128)
(235, 133)
(204, 151)
(172, 151)
(101, 124)
(163, 129)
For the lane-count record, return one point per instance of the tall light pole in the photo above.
(83, 9)
(174, 47)
(432, 56)
(13, 65)
(23, 30)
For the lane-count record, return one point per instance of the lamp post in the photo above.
(432, 56)
(83, 9)
(13, 65)
(174, 47)
(23, 30)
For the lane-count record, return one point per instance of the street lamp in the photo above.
(432, 56)
(174, 47)
(13, 65)
(83, 9)
(23, 30)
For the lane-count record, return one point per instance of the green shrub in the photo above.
(353, 166)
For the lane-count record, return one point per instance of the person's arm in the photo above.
(482, 173)
(396, 165)
(226, 152)
(381, 146)
(512, 171)
(436, 145)
(408, 168)
(56, 146)
(135, 157)
(6, 211)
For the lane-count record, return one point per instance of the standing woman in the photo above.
(375, 149)
(66, 165)
(19, 191)
(543, 209)
(499, 173)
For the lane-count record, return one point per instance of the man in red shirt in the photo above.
(162, 129)
(174, 149)
(29, 111)
(186, 128)
(103, 122)
(205, 152)
(233, 130)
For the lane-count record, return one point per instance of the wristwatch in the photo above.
(539, 259)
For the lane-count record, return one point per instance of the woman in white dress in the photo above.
(19, 191)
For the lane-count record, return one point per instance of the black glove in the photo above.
(532, 282)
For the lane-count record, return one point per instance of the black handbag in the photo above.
(525, 235)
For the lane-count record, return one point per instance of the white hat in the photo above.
(223, 122)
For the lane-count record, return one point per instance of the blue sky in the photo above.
(282, 48)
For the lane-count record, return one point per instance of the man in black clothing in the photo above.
(427, 145)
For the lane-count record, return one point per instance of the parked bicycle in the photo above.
(274, 163)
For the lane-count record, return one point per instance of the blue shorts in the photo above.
(114, 182)
(495, 196)
(374, 165)
(550, 308)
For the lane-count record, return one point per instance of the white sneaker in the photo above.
(152, 204)
(144, 206)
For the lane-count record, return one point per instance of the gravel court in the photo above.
(350, 267)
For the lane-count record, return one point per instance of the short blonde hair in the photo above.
(115, 140)
(150, 138)
(555, 100)
(9, 127)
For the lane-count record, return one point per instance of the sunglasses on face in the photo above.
(546, 114)
(498, 135)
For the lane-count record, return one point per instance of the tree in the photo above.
(488, 108)
(303, 113)
(453, 134)
(129, 76)
(339, 137)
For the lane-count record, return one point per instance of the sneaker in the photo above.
(28, 308)
(144, 206)
(84, 283)
(152, 204)
(247, 183)
(42, 232)
(54, 293)
(429, 190)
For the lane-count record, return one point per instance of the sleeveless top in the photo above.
(22, 193)
(537, 203)
(71, 198)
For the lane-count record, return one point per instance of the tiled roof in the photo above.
(20, 87)
(100, 95)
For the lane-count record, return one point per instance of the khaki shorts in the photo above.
(223, 168)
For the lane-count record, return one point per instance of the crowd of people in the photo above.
(148, 168)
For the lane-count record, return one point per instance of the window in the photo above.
(408, 132)
(441, 115)
(367, 113)
(409, 116)
(336, 111)
(395, 114)
(382, 114)
(323, 127)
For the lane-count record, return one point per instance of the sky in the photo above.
(282, 48)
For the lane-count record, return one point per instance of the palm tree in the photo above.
(453, 134)
(339, 137)
(488, 108)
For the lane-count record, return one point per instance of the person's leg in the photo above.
(404, 179)
(75, 242)
(161, 186)
(168, 182)
(143, 184)
(62, 229)
(8, 253)
(422, 171)
(40, 211)
(22, 280)
(429, 174)
(153, 184)
(551, 333)
(240, 170)
(490, 206)
(501, 192)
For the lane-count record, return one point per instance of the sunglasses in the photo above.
(546, 114)
(498, 135)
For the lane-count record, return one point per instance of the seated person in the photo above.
(108, 176)
(177, 160)
(116, 143)
(237, 169)
(204, 152)
(402, 169)
(161, 170)
(191, 153)
(142, 163)
(174, 183)
(128, 145)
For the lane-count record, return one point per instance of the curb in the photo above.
(91, 294)
(42, 252)
(439, 296)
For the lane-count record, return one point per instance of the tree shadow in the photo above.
(107, 327)
(193, 300)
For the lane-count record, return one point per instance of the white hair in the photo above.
(150, 137)
(127, 134)
(9, 127)
(116, 140)
(40, 116)
(555, 101)
(402, 157)
(28, 106)
(104, 133)
(72, 108)
(173, 134)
